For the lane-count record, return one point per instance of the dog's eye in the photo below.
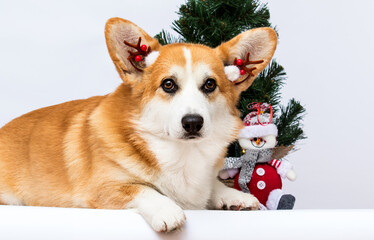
(209, 85)
(169, 85)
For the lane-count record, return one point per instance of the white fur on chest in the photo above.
(187, 170)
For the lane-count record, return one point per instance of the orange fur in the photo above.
(62, 156)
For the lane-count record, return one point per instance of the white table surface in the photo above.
(18, 222)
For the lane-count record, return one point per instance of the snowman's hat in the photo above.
(257, 123)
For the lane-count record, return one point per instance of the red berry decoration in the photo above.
(144, 48)
(242, 72)
(239, 62)
(138, 58)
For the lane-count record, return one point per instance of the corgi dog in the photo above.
(156, 144)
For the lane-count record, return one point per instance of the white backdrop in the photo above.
(54, 51)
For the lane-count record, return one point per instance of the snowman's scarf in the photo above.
(247, 164)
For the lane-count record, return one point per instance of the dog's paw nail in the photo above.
(255, 206)
(164, 228)
(234, 208)
(168, 219)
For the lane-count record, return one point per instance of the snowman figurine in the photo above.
(256, 172)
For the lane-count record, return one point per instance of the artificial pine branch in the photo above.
(289, 123)
(265, 88)
(165, 38)
(212, 22)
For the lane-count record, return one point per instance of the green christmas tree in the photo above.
(212, 22)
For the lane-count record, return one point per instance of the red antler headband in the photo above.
(136, 58)
(242, 65)
(137, 61)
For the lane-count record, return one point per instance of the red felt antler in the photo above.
(141, 52)
(242, 65)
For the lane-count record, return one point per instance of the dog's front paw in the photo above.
(232, 199)
(167, 218)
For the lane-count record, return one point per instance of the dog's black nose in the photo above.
(192, 123)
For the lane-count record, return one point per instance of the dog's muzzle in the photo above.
(192, 124)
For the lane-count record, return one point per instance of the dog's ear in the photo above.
(260, 43)
(117, 32)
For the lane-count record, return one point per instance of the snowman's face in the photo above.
(258, 143)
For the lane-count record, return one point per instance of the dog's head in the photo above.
(184, 90)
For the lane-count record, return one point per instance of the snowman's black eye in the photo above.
(255, 139)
